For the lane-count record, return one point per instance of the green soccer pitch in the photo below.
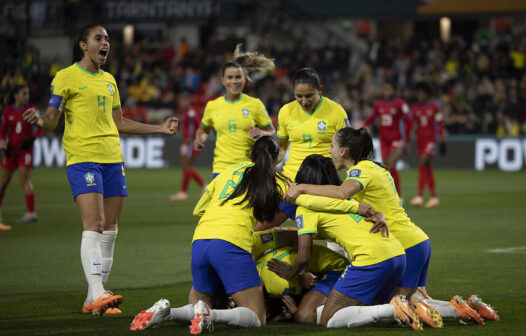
(42, 286)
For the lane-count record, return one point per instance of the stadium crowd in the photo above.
(479, 86)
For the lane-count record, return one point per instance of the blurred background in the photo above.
(472, 52)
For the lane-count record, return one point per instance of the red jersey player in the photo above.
(191, 120)
(430, 130)
(16, 140)
(394, 126)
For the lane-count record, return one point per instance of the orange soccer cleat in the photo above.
(102, 304)
(4, 227)
(202, 318)
(180, 196)
(404, 314)
(483, 309)
(465, 312)
(425, 312)
(433, 202)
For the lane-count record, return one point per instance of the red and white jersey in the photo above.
(191, 121)
(14, 129)
(429, 122)
(394, 116)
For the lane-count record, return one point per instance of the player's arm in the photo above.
(344, 191)
(333, 205)
(256, 132)
(3, 131)
(128, 126)
(48, 121)
(201, 135)
(283, 145)
(201, 206)
(439, 120)
(287, 271)
(371, 118)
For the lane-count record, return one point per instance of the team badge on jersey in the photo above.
(355, 173)
(322, 126)
(267, 238)
(299, 222)
(244, 112)
(110, 88)
(89, 178)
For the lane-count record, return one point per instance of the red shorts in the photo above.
(387, 146)
(187, 150)
(18, 158)
(428, 148)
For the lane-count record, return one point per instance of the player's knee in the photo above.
(325, 317)
(305, 316)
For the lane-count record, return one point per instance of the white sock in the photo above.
(319, 310)
(107, 245)
(336, 248)
(184, 313)
(356, 316)
(437, 302)
(446, 311)
(92, 263)
(240, 316)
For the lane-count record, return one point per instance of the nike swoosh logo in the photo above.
(409, 317)
(94, 264)
(82, 88)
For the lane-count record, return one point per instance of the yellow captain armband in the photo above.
(327, 204)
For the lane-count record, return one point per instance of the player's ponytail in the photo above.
(10, 96)
(318, 169)
(307, 76)
(248, 61)
(259, 181)
(83, 34)
(358, 142)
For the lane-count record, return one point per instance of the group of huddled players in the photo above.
(245, 268)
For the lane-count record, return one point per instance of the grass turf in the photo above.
(42, 285)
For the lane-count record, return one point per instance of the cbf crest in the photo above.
(244, 112)
(110, 88)
(322, 126)
(89, 178)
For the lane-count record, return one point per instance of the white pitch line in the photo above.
(509, 250)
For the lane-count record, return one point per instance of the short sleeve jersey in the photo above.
(309, 132)
(87, 100)
(14, 128)
(379, 191)
(232, 122)
(392, 115)
(427, 116)
(351, 232)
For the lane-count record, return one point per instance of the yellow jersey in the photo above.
(322, 261)
(232, 122)
(87, 100)
(380, 193)
(230, 222)
(309, 132)
(351, 232)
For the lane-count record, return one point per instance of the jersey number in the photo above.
(232, 128)
(423, 121)
(386, 120)
(18, 128)
(102, 103)
(307, 138)
(230, 184)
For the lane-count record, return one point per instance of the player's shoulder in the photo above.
(107, 76)
(288, 107)
(214, 103)
(66, 72)
(249, 99)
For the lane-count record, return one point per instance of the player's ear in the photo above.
(83, 46)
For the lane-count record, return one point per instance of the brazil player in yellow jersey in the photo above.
(222, 243)
(89, 98)
(377, 261)
(237, 117)
(370, 182)
(307, 124)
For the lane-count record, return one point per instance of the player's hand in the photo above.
(170, 126)
(442, 148)
(279, 267)
(365, 210)
(255, 132)
(199, 142)
(293, 192)
(380, 225)
(31, 116)
(307, 279)
(290, 306)
(3, 145)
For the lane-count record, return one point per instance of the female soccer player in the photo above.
(90, 100)
(16, 140)
(190, 120)
(377, 263)
(394, 128)
(369, 182)
(237, 118)
(430, 127)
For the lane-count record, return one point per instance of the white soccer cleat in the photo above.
(417, 201)
(28, 218)
(202, 318)
(152, 317)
